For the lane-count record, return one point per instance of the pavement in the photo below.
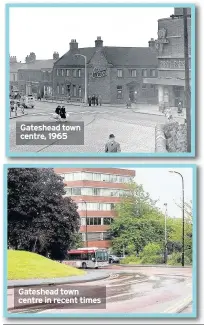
(134, 128)
(148, 290)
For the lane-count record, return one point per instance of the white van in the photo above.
(28, 101)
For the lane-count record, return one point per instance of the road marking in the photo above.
(176, 309)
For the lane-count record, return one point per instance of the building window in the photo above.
(58, 90)
(57, 72)
(107, 221)
(83, 221)
(120, 73)
(74, 73)
(76, 191)
(94, 221)
(74, 90)
(144, 86)
(144, 72)
(67, 73)
(79, 91)
(119, 92)
(79, 73)
(133, 73)
(62, 90)
(152, 87)
(68, 90)
(62, 72)
(152, 73)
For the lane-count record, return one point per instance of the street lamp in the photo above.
(86, 221)
(85, 84)
(165, 234)
(183, 214)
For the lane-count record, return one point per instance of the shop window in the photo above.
(119, 92)
(79, 73)
(79, 91)
(120, 73)
(144, 86)
(62, 90)
(74, 90)
(58, 89)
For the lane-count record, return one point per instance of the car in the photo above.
(28, 101)
(113, 259)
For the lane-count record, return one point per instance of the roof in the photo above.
(38, 65)
(116, 56)
(14, 67)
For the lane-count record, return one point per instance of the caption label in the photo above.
(61, 297)
(50, 133)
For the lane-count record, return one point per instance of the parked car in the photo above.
(113, 259)
(28, 101)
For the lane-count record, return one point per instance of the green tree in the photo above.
(40, 218)
(138, 222)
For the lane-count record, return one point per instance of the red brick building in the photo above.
(114, 73)
(35, 76)
(96, 191)
(171, 65)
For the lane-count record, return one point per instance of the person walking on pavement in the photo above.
(63, 113)
(93, 100)
(97, 100)
(112, 145)
(89, 100)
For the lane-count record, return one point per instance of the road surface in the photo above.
(134, 131)
(131, 291)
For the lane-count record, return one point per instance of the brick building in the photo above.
(96, 191)
(35, 77)
(115, 73)
(171, 65)
(13, 74)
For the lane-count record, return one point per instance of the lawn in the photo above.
(26, 265)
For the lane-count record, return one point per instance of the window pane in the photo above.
(76, 191)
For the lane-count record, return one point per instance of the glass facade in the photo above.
(83, 176)
(92, 191)
(96, 236)
(96, 206)
(96, 221)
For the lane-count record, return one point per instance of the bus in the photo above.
(88, 257)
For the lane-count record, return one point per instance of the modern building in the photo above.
(114, 73)
(171, 64)
(35, 77)
(13, 73)
(96, 192)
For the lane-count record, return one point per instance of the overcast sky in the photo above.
(45, 30)
(166, 186)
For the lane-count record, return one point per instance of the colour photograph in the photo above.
(100, 241)
(100, 80)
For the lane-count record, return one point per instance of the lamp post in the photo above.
(183, 215)
(86, 221)
(85, 83)
(165, 234)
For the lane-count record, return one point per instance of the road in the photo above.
(132, 291)
(134, 131)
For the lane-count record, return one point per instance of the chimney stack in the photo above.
(55, 56)
(73, 45)
(30, 58)
(98, 42)
(152, 44)
(13, 59)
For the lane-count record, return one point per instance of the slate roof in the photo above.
(117, 56)
(14, 67)
(38, 65)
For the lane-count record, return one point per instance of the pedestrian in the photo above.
(15, 108)
(63, 113)
(97, 100)
(112, 145)
(100, 100)
(89, 100)
(93, 100)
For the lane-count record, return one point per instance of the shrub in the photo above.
(154, 259)
(151, 249)
(175, 259)
(132, 259)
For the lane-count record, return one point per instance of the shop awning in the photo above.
(164, 81)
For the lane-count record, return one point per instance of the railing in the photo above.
(61, 100)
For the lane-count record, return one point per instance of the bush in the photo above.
(151, 249)
(132, 259)
(154, 259)
(175, 259)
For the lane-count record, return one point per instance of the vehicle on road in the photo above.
(87, 257)
(114, 259)
(28, 101)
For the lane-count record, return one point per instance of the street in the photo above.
(134, 131)
(134, 290)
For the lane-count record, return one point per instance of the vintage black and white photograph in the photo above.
(101, 81)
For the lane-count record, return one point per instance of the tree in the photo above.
(40, 218)
(138, 222)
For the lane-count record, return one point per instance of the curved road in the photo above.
(133, 290)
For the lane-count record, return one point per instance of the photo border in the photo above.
(103, 5)
(101, 315)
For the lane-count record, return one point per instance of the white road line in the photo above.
(179, 306)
